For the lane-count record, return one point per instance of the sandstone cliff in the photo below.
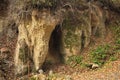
(53, 30)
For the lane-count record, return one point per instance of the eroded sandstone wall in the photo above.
(79, 21)
(33, 40)
(81, 26)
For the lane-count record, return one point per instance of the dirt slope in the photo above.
(110, 71)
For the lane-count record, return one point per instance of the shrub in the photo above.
(118, 41)
(113, 58)
(74, 60)
(99, 55)
(33, 78)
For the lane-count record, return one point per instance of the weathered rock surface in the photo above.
(48, 29)
(33, 40)
(89, 23)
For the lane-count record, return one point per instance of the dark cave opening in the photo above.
(82, 40)
(55, 44)
(55, 55)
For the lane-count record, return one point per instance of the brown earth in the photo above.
(110, 71)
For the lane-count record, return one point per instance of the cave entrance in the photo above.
(55, 45)
(55, 49)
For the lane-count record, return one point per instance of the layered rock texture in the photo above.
(33, 40)
(53, 30)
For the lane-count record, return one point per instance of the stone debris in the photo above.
(94, 66)
(50, 72)
(50, 76)
(40, 71)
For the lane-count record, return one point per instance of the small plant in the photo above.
(99, 55)
(113, 58)
(118, 41)
(33, 78)
(74, 60)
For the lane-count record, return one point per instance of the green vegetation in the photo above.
(33, 78)
(116, 48)
(74, 60)
(109, 52)
(70, 38)
(105, 53)
(116, 30)
(118, 41)
(99, 55)
(113, 58)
